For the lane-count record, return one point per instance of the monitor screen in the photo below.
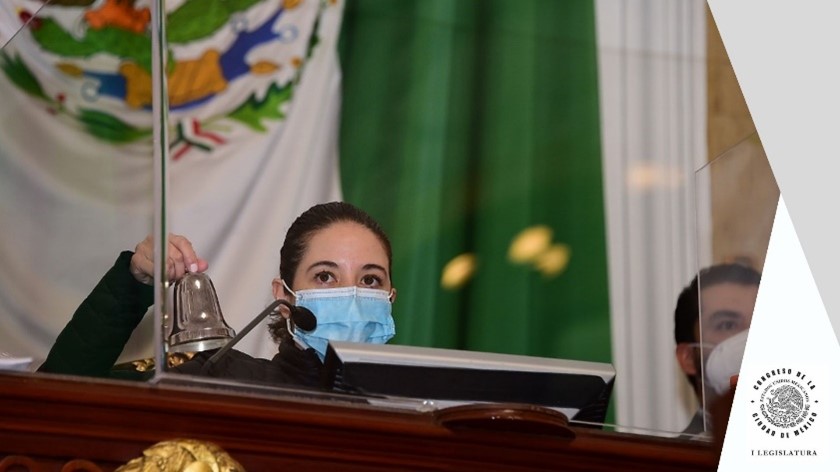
(448, 377)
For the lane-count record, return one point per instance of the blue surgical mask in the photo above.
(345, 314)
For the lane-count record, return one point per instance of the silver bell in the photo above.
(198, 321)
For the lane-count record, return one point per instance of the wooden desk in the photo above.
(47, 422)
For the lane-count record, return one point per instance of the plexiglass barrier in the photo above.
(76, 170)
(740, 196)
(498, 243)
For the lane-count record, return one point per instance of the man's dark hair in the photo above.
(301, 232)
(687, 312)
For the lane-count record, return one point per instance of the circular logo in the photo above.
(783, 403)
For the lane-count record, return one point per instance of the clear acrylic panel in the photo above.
(77, 173)
(737, 200)
(241, 110)
(205, 106)
(226, 117)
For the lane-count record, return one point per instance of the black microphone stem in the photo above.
(247, 329)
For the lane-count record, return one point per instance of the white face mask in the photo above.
(725, 361)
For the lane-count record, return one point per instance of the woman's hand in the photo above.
(181, 258)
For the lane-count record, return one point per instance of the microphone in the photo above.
(301, 316)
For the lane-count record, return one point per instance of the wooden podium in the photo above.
(66, 424)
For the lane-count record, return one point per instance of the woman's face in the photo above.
(343, 254)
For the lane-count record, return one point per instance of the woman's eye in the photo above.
(324, 277)
(371, 281)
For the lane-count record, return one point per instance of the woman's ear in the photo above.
(393, 294)
(280, 291)
(686, 358)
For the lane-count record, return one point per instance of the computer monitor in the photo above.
(448, 377)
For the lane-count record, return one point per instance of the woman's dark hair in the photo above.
(301, 232)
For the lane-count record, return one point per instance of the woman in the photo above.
(335, 260)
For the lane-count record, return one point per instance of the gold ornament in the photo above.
(183, 455)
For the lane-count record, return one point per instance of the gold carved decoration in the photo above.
(173, 359)
(183, 455)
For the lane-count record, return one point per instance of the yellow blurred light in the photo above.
(648, 175)
(458, 271)
(553, 261)
(529, 244)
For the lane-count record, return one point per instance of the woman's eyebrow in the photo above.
(374, 267)
(329, 264)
